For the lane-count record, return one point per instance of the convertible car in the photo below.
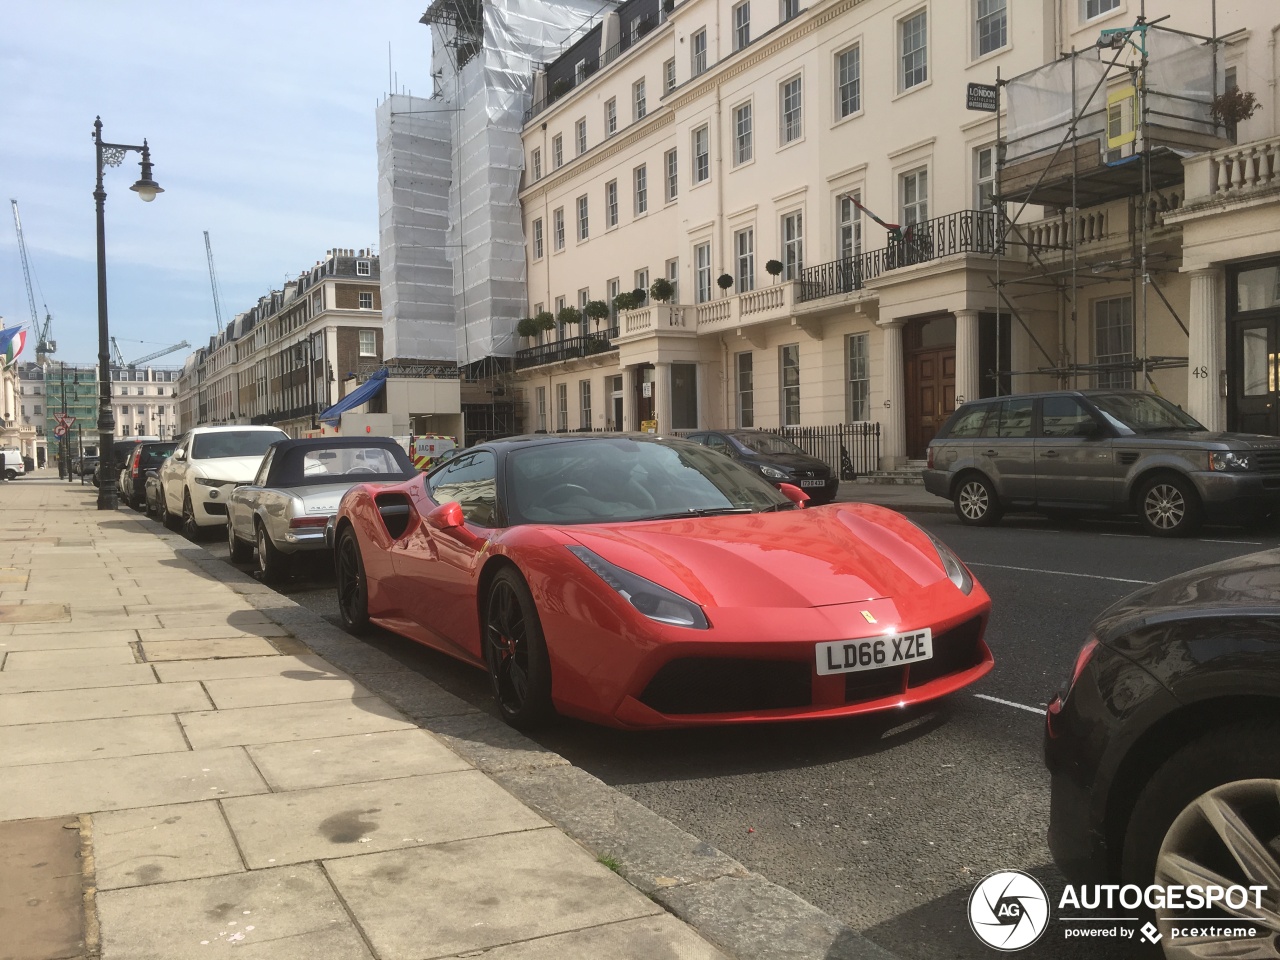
(640, 582)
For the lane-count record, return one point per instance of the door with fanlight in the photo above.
(1253, 350)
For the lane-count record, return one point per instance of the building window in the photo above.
(584, 391)
(914, 187)
(535, 163)
(741, 25)
(362, 268)
(849, 221)
(642, 280)
(698, 51)
(789, 361)
(582, 136)
(579, 72)
(642, 189)
(859, 378)
(991, 26)
(368, 343)
(542, 409)
(669, 75)
(366, 303)
(637, 99)
(746, 391)
(124, 430)
(744, 247)
(611, 116)
(634, 29)
(912, 41)
(792, 125)
(984, 178)
(673, 175)
(1096, 8)
(583, 231)
(702, 272)
(613, 288)
(673, 277)
(537, 239)
(140, 392)
(557, 228)
(792, 245)
(1113, 341)
(562, 407)
(790, 8)
(557, 152)
(849, 81)
(702, 154)
(741, 134)
(611, 203)
(584, 297)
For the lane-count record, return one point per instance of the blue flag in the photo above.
(7, 334)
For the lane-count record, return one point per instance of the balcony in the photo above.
(754, 307)
(569, 348)
(1235, 173)
(653, 320)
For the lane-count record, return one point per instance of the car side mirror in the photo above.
(179, 456)
(448, 518)
(794, 494)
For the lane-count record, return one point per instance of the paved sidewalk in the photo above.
(906, 497)
(182, 776)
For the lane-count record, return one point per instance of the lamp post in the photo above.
(112, 155)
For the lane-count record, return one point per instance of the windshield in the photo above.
(1143, 412)
(768, 443)
(621, 479)
(233, 443)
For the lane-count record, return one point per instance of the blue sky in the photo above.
(260, 117)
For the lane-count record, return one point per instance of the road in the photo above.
(887, 823)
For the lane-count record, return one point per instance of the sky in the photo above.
(260, 119)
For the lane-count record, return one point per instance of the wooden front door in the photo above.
(931, 395)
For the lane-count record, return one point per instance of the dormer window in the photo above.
(362, 268)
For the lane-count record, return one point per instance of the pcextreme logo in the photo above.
(1009, 910)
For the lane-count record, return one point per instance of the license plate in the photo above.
(813, 483)
(875, 653)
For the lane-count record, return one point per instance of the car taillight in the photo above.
(137, 460)
(308, 523)
(929, 457)
(1082, 661)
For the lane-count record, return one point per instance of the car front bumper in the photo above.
(209, 504)
(1230, 496)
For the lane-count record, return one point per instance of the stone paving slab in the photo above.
(291, 913)
(93, 704)
(180, 841)
(648, 938)
(90, 786)
(296, 686)
(212, 632)
(484, 893)
(31, 639)
(59, 678)
(301, 764)
(299, 721)
(90, 740)
(41, 900)
(69, 659)
(157, 650)
(31, 613)
(265, 666)
(361, 818)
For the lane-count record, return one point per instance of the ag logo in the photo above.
(1009, 910)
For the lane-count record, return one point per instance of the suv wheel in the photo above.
(976, 501)
(1168, 506)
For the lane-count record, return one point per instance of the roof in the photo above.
(288, 467)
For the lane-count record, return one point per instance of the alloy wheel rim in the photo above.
(262, 549)
(349, 580)
(973, 501)
(1165, 506)
(1227, 836)
(507, 648)
(231, 536)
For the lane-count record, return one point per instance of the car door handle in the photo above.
(1050, 454)
(989, 453)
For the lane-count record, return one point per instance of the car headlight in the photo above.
(956, 571)
(209, 482)
(654, 601)
(773, 473)
(1228, 461)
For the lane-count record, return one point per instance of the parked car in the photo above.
(641, 581)
(1116, 451)
(283, 511)
(121, 452)
(142, 463)
(14, 465)
(205, 464)
(776, 459)
(84, 465)
(1164, 744)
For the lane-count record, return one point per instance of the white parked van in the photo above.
(13, 465)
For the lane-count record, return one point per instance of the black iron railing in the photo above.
(849, 449)
(567, 349)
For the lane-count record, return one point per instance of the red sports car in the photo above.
(641, 582)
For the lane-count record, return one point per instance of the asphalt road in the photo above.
(887, 823)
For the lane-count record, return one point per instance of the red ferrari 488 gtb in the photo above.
(641, 582)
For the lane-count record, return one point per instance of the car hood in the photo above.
(235, 469)
(845, 553)
(1250, 441)
(792, 461)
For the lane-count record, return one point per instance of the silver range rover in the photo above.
(1116, 451)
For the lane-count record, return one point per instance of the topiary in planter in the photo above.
(773, 267)
(569, 316)
(724, 281)
(596, 310)
(662, 290)
(528, 327)
(639, 297)
(624, 301)
(545, 321)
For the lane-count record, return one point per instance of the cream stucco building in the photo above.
(700, 140)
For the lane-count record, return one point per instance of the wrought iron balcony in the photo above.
(569, 348)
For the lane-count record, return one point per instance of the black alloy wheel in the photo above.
(166, 517)
(516, 652)
(190, 529)
(353, 588)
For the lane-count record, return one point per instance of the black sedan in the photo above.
(1164, 747)
(142, 463)
(776, 459)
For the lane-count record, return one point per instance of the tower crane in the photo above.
(118, 358)
(213, 282)
(44, 344)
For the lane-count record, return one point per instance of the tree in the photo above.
(662, 290)
(528, 327)
(596, 310)
(724, 281)
(1234, 106)
(624, 301)
(639, 296)
(546, 321)
(568, 316)
(774, 268)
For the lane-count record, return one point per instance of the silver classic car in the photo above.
(297, 488)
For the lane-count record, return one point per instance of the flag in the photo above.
(895, 229)
(11, 342)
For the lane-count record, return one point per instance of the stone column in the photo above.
(662, 396)
(893, 437)
(1204, 354)
(968, 377)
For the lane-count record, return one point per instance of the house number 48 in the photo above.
(1200, 372)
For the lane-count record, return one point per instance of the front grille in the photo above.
(872, 685)
(1268, 461)
(216, 509)
(953, 651)
(726, 685)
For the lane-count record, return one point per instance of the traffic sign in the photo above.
(65, 419)
(60, 430)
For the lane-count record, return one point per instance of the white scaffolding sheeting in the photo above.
(1181, 82)
(1043, 101)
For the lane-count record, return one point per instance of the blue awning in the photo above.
(360, 395)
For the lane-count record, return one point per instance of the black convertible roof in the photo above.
(287, 465)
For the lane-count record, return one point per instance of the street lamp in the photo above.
(112, 155)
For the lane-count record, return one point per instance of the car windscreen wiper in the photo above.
(699, 512)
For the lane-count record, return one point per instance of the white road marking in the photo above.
(1057, 573)
(1247, 543)
(1038, 711)
(1136, 536)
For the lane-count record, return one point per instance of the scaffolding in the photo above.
(1095, 136)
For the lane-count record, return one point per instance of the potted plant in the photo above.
(662, 290)
(546, 321)
(639, 297)
(773, 268)
(1232, 107)
(528, 327)
(724, 281)
(568, 316)
(624, 301)
(596, 310)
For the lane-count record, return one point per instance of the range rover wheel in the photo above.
(976, 501)
(1168, 506)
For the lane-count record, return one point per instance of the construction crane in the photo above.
(213, 282)
(44, 344)
(118, 358)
